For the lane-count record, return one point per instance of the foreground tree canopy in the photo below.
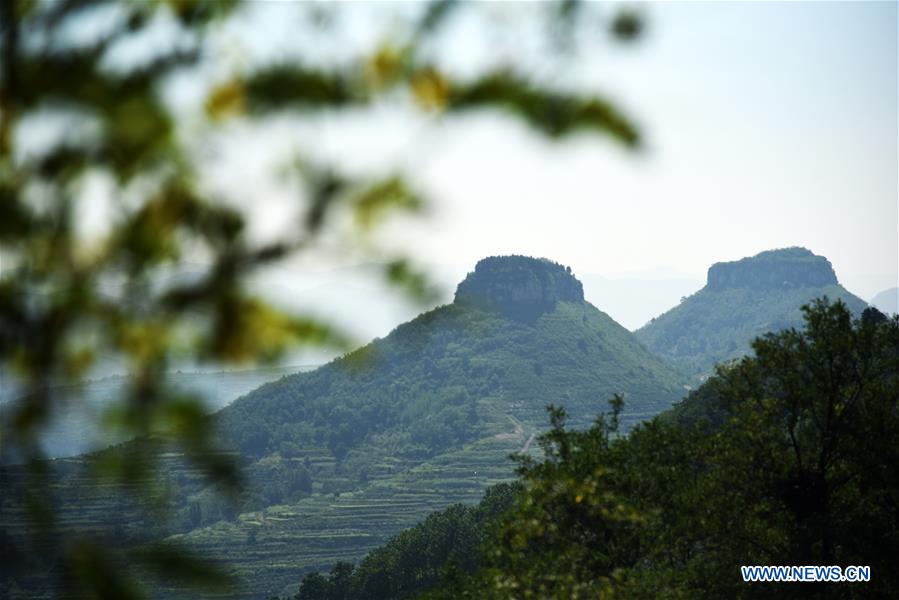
(787, 457)
(83, 116)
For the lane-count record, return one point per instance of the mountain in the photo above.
(355, 451)
(740, 301)
(517, 336)
(887, 301)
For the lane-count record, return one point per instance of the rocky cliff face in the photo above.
(774, 269)
(519, 286)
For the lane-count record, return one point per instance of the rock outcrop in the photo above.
(774, 269)
(519, 286)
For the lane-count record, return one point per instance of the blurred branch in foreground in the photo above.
(79, 105)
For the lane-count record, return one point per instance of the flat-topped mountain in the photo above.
(740, 301)
(517, 336)
(428, 415)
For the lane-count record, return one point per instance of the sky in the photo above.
(767, 125)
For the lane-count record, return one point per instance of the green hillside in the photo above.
(742, 300)
(355, 451)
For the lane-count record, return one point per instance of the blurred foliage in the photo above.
(68, 301)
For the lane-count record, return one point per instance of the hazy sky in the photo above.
(768, 125)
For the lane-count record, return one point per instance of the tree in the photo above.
(340, 580)
(315, 586)
(563, 538)
(815, 413)
(67, 300)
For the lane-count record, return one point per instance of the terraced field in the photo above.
(270, 550)
(278, 545)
